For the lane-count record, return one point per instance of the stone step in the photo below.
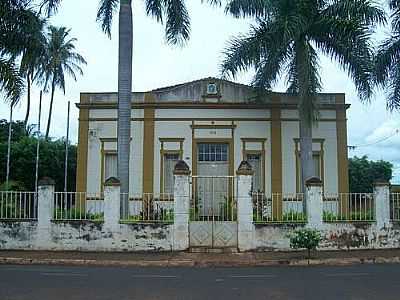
(212, 250)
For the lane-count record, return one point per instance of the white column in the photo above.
(181, 207)
(112, 203)
(314, 203)
(45, 202)
(382, 204)
(246, 228)
(46, 187)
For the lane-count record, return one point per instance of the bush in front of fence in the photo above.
(365, 216)
(305, 239)
(287, 217)
(160, 216)
(74, 213)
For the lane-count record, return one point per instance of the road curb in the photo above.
(198, 263)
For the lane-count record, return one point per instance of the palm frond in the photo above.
(387, 56)
(177, 27)
(250, 8)
(348, 43)
(365, 11)
(393, 89)
(106, 13)
(49, 7)
(11, 83)
(154, 8)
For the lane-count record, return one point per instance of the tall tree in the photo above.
(32, 55)
(60, 57)
(288, 37)
(387, 71)
(177, 31)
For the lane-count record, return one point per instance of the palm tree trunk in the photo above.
(28, 104)
(305, 113)
(306, 153)
(53, 86)
(124, 98)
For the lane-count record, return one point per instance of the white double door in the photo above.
(213, 184)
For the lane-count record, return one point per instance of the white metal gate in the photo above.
(213, 212)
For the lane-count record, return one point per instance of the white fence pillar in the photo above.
(314, 202)
(181, 206)
(112, 203)
(46, 188)
(382, 204)
(245, 207)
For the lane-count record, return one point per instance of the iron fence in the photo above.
(147, 208)
(75, 206)
(18, 205)
(213, 198)
(395, 207)
(349, 207)
(278, 208)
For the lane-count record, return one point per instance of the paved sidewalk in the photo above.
(185, 259)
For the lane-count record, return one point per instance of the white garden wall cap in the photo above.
(314, 181)
(112, 181)
(245, 168)
(181, 168)
(46, 181)
(381, 182)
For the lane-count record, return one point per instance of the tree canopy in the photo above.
(23, 159)
(363, 173)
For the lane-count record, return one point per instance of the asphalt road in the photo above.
(57, 283)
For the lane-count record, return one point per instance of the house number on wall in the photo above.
(214, 132)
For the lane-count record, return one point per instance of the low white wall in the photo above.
(86, 236)
(336, 236)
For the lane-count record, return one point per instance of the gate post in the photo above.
(112, 203)
(314, 202)
(382, 204)
(181, 206)
(46, 187)
(245, 207)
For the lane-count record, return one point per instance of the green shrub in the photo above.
(305, 239)
(368, 215)
(288, 217)
(12, 186)
(74, 213)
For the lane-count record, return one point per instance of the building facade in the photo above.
(212, 125)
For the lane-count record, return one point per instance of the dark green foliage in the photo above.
(363, 173)
(51, 163)
(305, 239)
(18, 130)
(387, 67)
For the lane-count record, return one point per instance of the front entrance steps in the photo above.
(212, 250)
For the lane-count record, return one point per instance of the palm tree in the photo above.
(387, 67)
(177, 31)
(18, 24)
(59, 58)
(289, 36)
(31, 61)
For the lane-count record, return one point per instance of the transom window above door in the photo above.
(212, 152)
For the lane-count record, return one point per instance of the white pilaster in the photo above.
(382, 204)
(112, 203)
(314, 203)
(246, 230)
(181, 207)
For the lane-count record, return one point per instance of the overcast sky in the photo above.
(155, 64)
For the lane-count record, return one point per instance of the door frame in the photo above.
(231, 152)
